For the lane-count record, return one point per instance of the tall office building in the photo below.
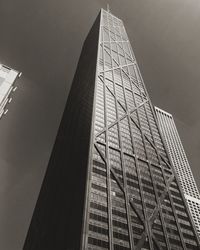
(7, 86)
(109, 183)
(180, 162)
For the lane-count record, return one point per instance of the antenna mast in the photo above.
(108, 8)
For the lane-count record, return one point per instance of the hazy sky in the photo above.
(43, 39)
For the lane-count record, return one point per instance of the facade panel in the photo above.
(58, 214)
(180, 162)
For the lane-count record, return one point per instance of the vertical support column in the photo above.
(143, 202)
(110, 227)
(122, 161)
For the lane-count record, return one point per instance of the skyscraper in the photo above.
(180, 162)
(7, 81)
(109, 183)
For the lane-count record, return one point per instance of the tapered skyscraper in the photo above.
(180, 162)
(110, 183)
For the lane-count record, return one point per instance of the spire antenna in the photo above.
(108, 8)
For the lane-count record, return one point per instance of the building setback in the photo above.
(8, 77)
(109, 183)
(180, 162)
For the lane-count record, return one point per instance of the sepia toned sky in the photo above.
(43, 39)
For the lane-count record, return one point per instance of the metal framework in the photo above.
(181, 164)
(133, 198)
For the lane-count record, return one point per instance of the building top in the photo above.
(163, 111)
(7, 81)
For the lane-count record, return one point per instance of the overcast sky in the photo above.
(43, 39)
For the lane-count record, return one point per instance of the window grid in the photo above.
(131, 172)
(181, 164)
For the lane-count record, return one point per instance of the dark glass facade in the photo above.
(110, 183)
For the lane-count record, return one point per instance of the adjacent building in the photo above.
(8, 77)
(110, 183)
(180, 162)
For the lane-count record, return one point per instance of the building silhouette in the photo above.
(110, 183)
(180, 162)
(8, 77)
